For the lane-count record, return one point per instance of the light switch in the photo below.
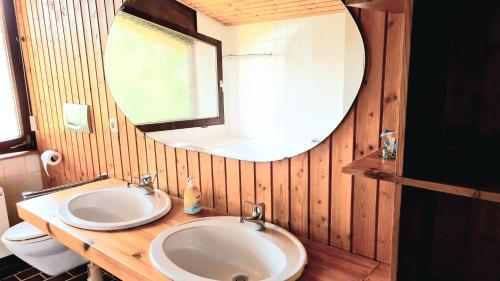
(76, 117)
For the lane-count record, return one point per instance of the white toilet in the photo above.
(39, 250)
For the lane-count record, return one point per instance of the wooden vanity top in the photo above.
(125, 253)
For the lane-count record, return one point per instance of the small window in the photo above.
(14, 112)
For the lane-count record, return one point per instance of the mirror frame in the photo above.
(204, 122)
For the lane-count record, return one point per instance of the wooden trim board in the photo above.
(450, 189)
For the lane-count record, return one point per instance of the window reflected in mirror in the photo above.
(159, 75)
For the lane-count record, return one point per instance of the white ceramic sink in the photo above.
(221, 248)
(114, 208)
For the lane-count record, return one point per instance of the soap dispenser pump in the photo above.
(192, 198)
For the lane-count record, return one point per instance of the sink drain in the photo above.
(240, 277)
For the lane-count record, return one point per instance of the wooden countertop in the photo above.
(125, 253)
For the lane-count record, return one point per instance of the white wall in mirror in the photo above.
(281, 105)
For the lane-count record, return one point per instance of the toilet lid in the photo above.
(23, 231)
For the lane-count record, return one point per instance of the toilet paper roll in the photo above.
(50, 157)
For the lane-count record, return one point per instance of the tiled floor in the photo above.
(14, 269)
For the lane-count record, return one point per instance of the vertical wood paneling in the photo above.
(367, 133)
(71, 92)
(161, 166)
(110, 12)
(206, 180)
(341, 185)
(99, 36)
(132, 151)
(124, 146)
(219, 179)
(117, 4)
(75, 67)
(247, 186)
(63, 43)
(31, 77)
(59, 83)
(151, 158)
(105, 9)
(194, 166)
(319, 191)
(233, 186)
(182, 170)
(263, 192)
(171, 171)
(74, 12)
(40, 80)
(299, 195)
(281, 193)
(93, 92)
(142, 156)
(39, 24)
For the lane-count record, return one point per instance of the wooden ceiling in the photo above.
(234, 12)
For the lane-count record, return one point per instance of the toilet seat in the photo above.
(39, 249)
(25, 233)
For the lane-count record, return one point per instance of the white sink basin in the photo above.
(221, 248)
(114, 208)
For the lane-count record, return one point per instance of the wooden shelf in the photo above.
(373, 166)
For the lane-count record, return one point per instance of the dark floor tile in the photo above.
(37, 277)
(78, 270)
(109, 277)
(11, 265)
(81, 277)
(28, 273)
(63, 277)
(14, 269)
(11, 278)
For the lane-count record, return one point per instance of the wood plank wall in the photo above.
(63, 42)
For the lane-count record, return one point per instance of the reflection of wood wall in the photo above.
(63, 43)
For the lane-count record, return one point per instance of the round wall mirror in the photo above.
(258, 91)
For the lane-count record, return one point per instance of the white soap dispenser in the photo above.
(192, 198)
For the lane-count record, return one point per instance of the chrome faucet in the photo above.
(258, 216)
(145, 183)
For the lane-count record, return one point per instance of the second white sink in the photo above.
(114, 208)
(221, 248)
